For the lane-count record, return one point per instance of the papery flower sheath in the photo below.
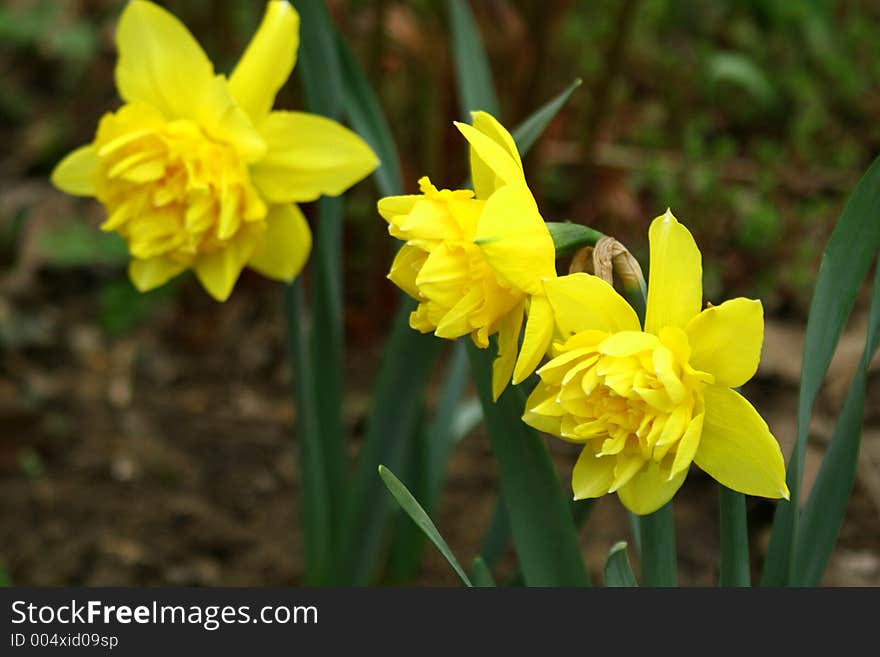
(645, 404)
(195, 170)
(475, 260)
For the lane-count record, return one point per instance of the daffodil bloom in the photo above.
(475, 260)
(646, 404)
(195, 170)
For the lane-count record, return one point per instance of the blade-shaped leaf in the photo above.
(569, 237)
(453, 417)
(734, 539)
(415, 511)
(618, 570)
(475, 88)
(318, 63)
(541, 524)
(527, 132)
(322, 435)
(445, 431)
(365, 115)
(658, 557)
(852, 247)
(480, 574)
(407, 540)
(823, 514)
(407, 361)
(314, 498)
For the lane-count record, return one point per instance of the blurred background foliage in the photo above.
(751, 119)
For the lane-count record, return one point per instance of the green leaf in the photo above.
(541, 524)
(407, 540)
(318, 62)
(528, 131)
(475, 88)
(497, 537)
(328, 345)
(407, 361)
(449, 424)
(322, 384)
(365, 115)
(742, 71)
(426, 468)
(409, 504)
(734, 539)
(78, 245)
(823, 514)
(482, 576)
(658, 548)
(314, 507)
(121, 307)
(569, 237)
(852, 247)
(618, 571)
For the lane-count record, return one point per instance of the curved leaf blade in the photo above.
(823, 514)
(415, 511)
(618, 570)
(475, 88)
(852, 247)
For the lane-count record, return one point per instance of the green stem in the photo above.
(313, 495)
(734, 539)
(658, 548)
(541, 525)
(328, 344)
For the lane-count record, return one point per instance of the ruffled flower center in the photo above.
(629, 396)
(169, 189)
(459, 293)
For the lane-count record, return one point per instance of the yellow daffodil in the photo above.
(645, 404)
(195, 170)
(475, 260)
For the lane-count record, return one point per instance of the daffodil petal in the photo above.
(508, 340)
(649, 489)
(309, 156)
(537, 337)
(457, 321)
(515, 240)
(484, 179)
(218, 270)
(688, 445)
(592, 475)
(737, 448)
(394, 209)
(75, 174)
(726, 340)
(492, 166)
(286, 244)
(584, 302)
(443, 275)
(268, 60)
(160, 63)
(405, 269)
(675, 276)
(162, 66)
(150, 273)
(542, 422)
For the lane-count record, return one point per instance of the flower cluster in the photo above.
(196, 171)
(645, 402)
